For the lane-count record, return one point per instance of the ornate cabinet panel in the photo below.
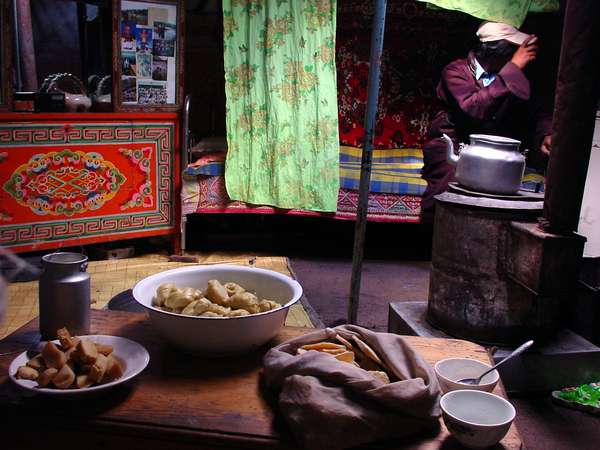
(73, 183)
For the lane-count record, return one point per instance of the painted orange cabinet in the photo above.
(78, 179)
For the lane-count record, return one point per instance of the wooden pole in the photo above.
(367, 154)
(576, 101)
(26, 46)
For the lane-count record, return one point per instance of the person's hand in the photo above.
(546, 145)
(526, 53)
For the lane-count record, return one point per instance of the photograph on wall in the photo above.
(128, 64)
(165, 35)
(162, 47)
(144, 65)
(144, 39)
(165, 31)
(159, 68)
(152, 93)
(128, 89)
(128, 39)
(135, 16)
(157, 15)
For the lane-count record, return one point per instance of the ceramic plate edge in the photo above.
(12, 370)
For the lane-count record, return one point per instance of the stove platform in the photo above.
(567, 360)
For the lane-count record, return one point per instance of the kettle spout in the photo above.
(450, 155)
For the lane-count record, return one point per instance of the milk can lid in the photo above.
(64, 258)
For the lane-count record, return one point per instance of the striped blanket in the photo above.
(394, 171)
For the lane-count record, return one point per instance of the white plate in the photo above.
(130, 354)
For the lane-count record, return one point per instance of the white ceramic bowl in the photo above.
(132, 355)
(449, 371)
(476, 419)
(220, 336)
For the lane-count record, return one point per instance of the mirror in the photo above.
(71, 37)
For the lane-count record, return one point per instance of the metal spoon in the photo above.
(518, 351)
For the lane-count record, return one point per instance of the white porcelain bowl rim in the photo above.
(296, 287)
(475, 393)
(437, 370)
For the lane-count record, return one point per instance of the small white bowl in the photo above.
(133, 356)
(476, 419)
(450, 370)
(220, 336)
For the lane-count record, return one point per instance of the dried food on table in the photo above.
(80, 363)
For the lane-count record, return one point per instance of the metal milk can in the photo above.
(64, 294)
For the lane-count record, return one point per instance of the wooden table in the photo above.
(178, 402)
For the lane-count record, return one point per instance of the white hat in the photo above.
(495, 31)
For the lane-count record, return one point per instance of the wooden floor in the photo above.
(111, 277)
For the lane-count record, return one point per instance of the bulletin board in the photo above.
(148, 46)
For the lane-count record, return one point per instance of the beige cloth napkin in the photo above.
(332, 404)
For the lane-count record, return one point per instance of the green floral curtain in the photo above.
(507, 11)
(280, 81)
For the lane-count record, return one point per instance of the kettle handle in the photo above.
(450, 155)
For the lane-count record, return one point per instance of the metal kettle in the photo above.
(490, 164)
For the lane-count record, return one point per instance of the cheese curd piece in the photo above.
(105, 349)
(83, 381)
(53, 357)
(238, 313)
(64, 378)
(86, 352)
(210, 314)
(189, 309)
(268, 305)
(66, 340)
(245, 300)
(114, 369)
(46, 377)
(98, 368)
(37, 363)
(216, 293)
(27, 373)
(219, 310)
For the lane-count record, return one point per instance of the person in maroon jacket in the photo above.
(486, 93)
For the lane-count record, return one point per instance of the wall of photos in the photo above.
(148, 53)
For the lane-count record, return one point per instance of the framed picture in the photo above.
(6, 69)
(148, 55)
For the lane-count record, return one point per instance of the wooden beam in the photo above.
(576, 101)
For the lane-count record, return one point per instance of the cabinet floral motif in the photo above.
(76, 183)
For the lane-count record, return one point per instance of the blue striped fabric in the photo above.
(394, 171)
(212, 169)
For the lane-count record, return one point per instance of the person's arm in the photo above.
(480, 103)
